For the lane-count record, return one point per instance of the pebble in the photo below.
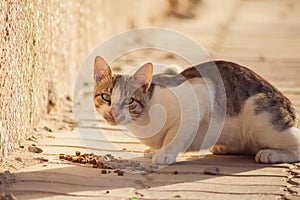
(175, 172)
(42, 159)
(46, 128)
(35, 149)
(20, 159)
(212, 171)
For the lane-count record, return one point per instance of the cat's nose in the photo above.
(114, 111)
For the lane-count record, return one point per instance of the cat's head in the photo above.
(121, 99)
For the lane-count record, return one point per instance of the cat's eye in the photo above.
(106, 97)
(128, 101)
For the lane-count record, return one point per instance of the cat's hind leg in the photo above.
(283, 147)
(270, 129)
(277, 156)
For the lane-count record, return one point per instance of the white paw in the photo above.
(265, 156)
(163, 158)
(276, 156)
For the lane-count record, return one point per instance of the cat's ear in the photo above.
(101, 69)
(144, 75)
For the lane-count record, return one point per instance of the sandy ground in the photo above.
(263, 35)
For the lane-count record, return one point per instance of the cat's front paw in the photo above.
(163, 158)
(266, 156)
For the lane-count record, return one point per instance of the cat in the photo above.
(167, 117)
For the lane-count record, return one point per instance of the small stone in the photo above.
(19, 158)
(212, 171)
(103, 171)
(35, 149)
(46, 128)
(175, 172)
(107, 191)
(177, 196)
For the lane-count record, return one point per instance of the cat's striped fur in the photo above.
(259, 119)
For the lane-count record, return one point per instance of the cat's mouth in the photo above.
(115, 120)
(110, 120)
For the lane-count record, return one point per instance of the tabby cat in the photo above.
(170, 112)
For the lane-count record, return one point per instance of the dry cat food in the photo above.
(109, 162)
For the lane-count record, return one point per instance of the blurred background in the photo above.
(44, 43)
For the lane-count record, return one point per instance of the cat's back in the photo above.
(234, 76)
(241, 84)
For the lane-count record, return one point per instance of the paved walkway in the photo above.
(261, 34)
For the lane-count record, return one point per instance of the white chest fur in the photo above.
(172, 110)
